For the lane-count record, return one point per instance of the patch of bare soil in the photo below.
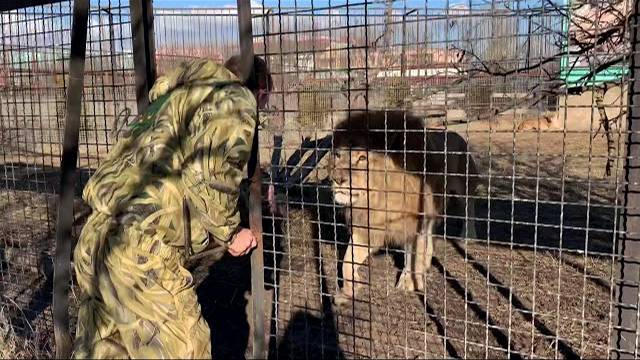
(26, 272)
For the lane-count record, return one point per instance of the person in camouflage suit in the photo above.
(137, 300)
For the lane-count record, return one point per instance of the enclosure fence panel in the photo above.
(539, 91)
(33, 78)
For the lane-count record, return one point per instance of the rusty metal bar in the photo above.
(143, 50)
(403, 55)
(255, 197)
(625, 334)
(62, 266)
(245, 29)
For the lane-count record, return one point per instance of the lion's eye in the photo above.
(362, 158)
(336, 155)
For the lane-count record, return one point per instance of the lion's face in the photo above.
(348, 173)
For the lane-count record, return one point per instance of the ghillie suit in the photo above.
(137, 299)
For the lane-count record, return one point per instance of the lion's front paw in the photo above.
(341, 299)
(405, 282)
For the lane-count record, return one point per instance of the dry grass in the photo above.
(17, 342)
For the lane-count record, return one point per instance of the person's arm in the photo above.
(189, 71)
(216, 156)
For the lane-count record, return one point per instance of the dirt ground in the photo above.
(482, 300)
(535, 283)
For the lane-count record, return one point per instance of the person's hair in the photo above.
(260, 77)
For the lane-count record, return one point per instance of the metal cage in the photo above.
(541, 93)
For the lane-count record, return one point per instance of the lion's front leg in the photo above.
(426, 238)
(355, 257)
(405, 282)
(418, 256)
(424, 254)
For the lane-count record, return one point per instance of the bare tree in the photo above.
(584, 34)
(599, 32)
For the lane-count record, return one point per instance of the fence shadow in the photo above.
(546, 207)
(565, 349)
(556, 227)
(222, 299)
(307, 335)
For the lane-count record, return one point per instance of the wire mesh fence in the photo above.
(33, 76)
(546, 212)
(537, 93)
(522, 85)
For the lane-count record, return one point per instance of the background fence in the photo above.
(538, 89)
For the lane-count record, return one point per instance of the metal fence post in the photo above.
(255, 197)
(62, 267)
(626, 308)
(143, 50)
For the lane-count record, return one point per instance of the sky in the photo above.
(325, 3)
(272, 3)
(299, 3)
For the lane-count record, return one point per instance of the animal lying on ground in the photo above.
(543, 122)
(388, 171)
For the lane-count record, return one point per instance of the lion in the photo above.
(392, 185)
(543, 122)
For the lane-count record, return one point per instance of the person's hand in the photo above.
(242, 242)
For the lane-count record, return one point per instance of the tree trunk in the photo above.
(605, 123)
